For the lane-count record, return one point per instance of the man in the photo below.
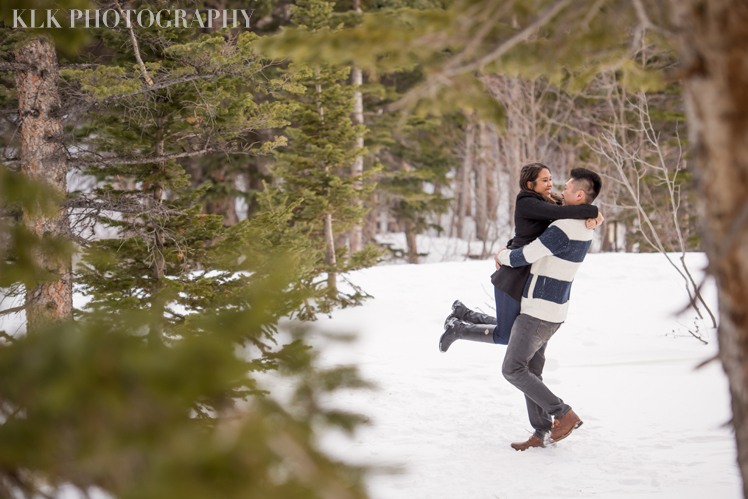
(555, 257)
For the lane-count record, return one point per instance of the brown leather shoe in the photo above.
(532, 442)
(563, 426)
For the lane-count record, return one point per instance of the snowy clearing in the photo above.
(441, 424)
(653, 425)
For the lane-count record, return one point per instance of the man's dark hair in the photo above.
(589, 181)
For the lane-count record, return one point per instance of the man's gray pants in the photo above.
(523, 367)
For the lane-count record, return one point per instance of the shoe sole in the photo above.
(449, 317)
(576, 425)
(440, 343)
(523, 449)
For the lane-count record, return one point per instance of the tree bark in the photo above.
(492, 167)
(481, 184)
(330, 258)
(410, 240)
(713, 46)
(357, 169)
(464, 181)
(159, 263)
(328, 234)
(158, 304)
(43, 158)
(516, 143)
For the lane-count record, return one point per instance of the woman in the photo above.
(536, 207)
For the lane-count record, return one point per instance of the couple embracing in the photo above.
(532, 286)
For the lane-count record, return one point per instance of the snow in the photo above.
(441, 424)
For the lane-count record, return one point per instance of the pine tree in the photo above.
(94, 406)
(419, 155)
(315, 167)
(150, 392)
(144, 192)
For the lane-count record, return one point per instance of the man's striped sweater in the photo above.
(555, 258)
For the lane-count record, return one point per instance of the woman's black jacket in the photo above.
(532, 215)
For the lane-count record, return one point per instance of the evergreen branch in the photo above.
(82, 241)
(176, 81)
(85, 105)
(207, 106)
(139, 215)
(127, 205)
(212, 73)
(157, 86)
(77, 162)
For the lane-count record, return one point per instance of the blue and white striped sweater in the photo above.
(555, 258)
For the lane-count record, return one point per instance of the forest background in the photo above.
(200, 184)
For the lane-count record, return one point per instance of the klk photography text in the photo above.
(164, 18)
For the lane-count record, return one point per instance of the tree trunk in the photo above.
(357, 169)
(464, 181)
(516, 142)
(372, 219)
(330, 258)
(713, 46)
(513, 166)
(158, 304)
(159, 263)
(481, 184)
(492, 156)
(43, 158)
(410, 240)
(328, 234)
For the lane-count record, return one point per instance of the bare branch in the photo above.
(441, 79)
(78, 162)
(13, 310)
(707, 361)
(84, 104)
(519, 37)
(644, 20)
(134, 42)
(478, 38)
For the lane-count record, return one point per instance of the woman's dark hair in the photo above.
(530, 173)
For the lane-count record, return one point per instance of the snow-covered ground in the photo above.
(441, 424)
(654, 426)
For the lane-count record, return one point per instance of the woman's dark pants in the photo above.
(507, 310)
